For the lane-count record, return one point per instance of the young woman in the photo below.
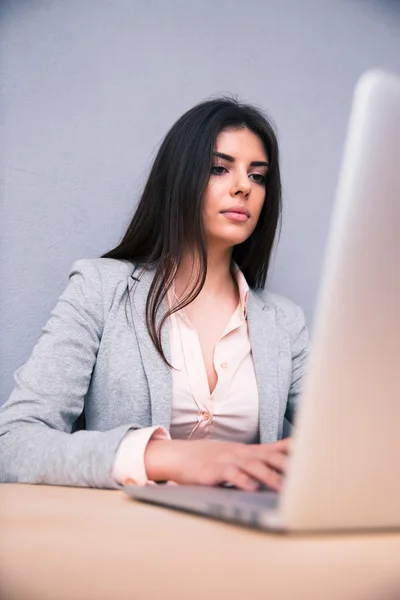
(182, 364)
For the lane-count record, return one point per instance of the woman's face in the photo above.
(236, 188)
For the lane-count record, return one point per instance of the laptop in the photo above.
(344, 471)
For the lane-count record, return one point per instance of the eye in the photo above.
(218, 170)
(258, 178)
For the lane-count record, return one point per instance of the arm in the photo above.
(36, 443)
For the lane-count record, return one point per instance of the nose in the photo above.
(241, 185)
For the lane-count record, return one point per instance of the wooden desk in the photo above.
(67, 543)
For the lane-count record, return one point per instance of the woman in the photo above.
(184, 366)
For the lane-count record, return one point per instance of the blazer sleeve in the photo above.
(36, 443)
(300, 351)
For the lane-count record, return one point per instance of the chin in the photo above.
(228, 236)
(228, 241)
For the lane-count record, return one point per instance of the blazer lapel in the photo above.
(264, 345)
(158, 374)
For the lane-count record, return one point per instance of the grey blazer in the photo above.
(95, 354)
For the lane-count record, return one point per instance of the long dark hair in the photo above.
(168, 219)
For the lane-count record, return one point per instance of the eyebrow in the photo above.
(254, 163)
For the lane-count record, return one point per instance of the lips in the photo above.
(240, 210)
(240, 215)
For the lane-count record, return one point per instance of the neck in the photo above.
(218, 279)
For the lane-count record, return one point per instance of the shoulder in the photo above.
(107, 271)
(289, 315)
(98, 281)
(104, 267)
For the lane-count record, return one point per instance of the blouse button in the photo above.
(224, 365)
(206, 415)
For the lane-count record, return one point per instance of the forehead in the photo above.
(242, 144)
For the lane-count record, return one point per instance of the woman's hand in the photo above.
(206, 462)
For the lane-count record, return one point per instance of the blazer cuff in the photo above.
(129, 465)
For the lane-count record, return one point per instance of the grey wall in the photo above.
(89, 88)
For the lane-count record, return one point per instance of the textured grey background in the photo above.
(89, 87)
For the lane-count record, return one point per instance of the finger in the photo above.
(262, 473)
(271, 456)
(240, 479)
(282, 446)
(277, 461)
